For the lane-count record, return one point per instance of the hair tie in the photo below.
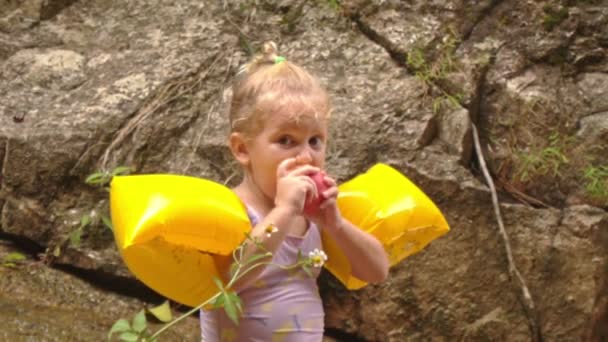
(279, 59)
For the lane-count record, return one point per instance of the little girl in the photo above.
(279, 115)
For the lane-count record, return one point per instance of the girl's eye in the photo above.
(285, 140)
(315, 142)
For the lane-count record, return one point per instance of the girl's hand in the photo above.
(328, 216)
(294, 187)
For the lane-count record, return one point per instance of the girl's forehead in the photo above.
(300, 117)
(289, 106)
(296, 120)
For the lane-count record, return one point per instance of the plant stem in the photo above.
(237, 275)
(168, 325)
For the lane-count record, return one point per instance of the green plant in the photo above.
(136, 330)
(74, 237)
(597, 181)
(437, 71)
(416, 60)
(334, 4)
(440, 67)
(225, 298)
(544, 161)
(446, 101)
(131, 331)
(553, 16)
(103, 178)
(11, 260)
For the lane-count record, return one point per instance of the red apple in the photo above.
(311, 206)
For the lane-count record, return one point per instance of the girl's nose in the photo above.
(304, 156)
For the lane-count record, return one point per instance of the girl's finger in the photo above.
(329, 181)
(311, 188)
(331, 192)
(304, 170)
(328, 202)
(285, 166)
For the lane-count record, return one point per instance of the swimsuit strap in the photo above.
(254, 217)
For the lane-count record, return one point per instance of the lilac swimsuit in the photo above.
(280, 306)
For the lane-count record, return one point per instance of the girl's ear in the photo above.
(238, 147)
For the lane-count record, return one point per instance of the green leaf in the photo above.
(85, 220)
(57, 251)
(306, 269)
(162, 312)
(236, 300)
(75, 237)
(15, 256)
(259, 245)
(219, 301)
(121, 325)
(107, 222)
(95, 178)
(139, 321)
(129, 336)
(121, 170)
(334, 4)
(230, 308)
(218, 283)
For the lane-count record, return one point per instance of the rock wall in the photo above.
(90, 86)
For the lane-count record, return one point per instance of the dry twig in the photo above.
(521, 196)
(169, 93)
(529, 306)
(211, 109)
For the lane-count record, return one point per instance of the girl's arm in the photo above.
(368, 259)
(293, 187)
(366, 255)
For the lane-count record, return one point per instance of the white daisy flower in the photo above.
(271, 228)
(317, 257)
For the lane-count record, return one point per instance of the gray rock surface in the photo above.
(88, 86)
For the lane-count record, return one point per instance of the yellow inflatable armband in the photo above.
(165, 226)
(386, 204)
(169, 227)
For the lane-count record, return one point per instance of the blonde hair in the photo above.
(270, 85)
